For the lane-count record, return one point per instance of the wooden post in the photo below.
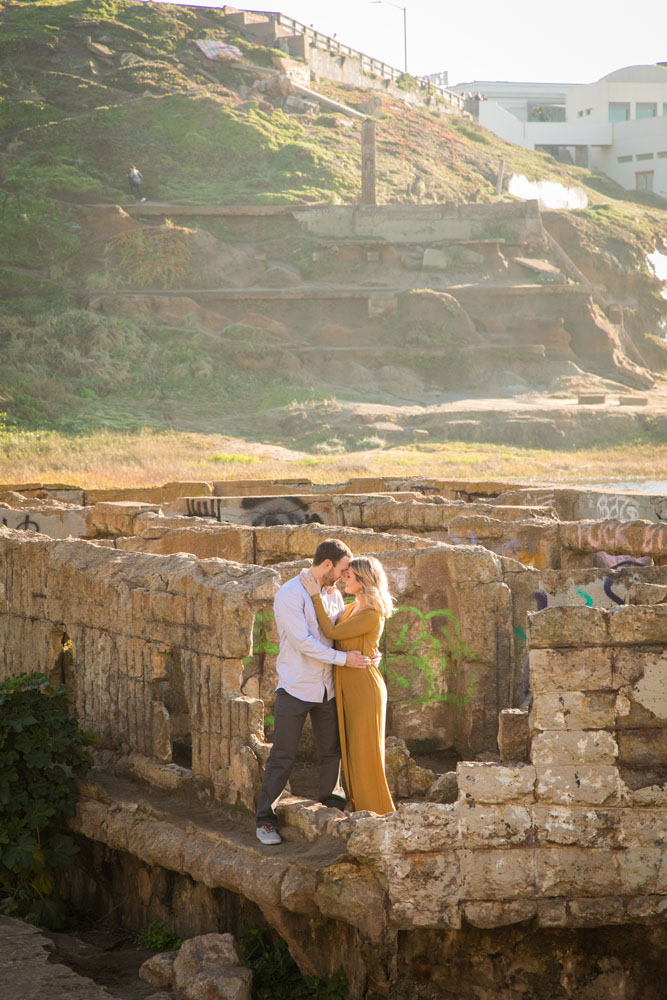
(368, 162)
(501, 177)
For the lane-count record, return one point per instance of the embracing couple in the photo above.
(347, 704)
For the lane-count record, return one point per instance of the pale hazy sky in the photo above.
(567, 41)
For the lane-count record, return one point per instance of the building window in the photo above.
(644, 156)
(619, 111)
(646, 109)
(662, 155)
(624, 159)
(644, 180)
(664, 109)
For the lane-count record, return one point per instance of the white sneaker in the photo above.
(268, 834)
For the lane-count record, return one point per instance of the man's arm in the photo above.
(290, 606)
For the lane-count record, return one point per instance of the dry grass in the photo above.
(104, 459)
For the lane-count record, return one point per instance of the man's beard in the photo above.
(328, 580)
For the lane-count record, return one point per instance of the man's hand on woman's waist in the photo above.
(356, 659)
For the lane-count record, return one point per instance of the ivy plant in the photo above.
(42, 751)
(276, 976)
(158, 937)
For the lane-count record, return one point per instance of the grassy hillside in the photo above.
(88, 87)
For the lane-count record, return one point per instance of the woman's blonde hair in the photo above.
(372, 577)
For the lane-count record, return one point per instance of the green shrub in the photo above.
(158, 937)
(276, 976)
(41, 750)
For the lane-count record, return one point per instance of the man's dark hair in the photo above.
(332, 549)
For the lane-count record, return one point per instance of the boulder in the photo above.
(159, 969)
(274, 88)
(404, 776)
(281, 277)
(444, 789)
(205, 950)
(219, 983)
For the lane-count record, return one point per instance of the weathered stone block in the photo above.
(161, 732)
(498, 875)
(415, 826)
(573, 710)
(490, 782)
(576, 871)
(631, 625)
(494, 826)
(642, 827)
(594, 785)
(588, 669)
(597, 912)
(568, 626)
(650, 795)
(554, 747)
(642, 747)
(487, 915)
(585, 826)
(630, 663)
(351, 893)
(301, 819)
(513, 736)
(642, 869)
(247, 716)
(426, 893)
(552, 913)
(115, 519)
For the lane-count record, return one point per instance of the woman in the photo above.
(361, 695)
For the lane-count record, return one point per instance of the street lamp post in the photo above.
(405, 28)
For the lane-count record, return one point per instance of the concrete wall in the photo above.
(515, 222)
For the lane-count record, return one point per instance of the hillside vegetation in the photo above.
(88, 87)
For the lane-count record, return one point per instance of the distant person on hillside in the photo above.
(134, 179)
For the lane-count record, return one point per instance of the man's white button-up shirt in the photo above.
(305, 659)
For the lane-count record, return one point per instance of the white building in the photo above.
(617, 126)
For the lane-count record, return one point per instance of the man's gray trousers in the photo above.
(289, 718)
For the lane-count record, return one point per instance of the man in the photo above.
(305, 686)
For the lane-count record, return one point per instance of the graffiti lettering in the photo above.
(624, 536)
(279, 510)
(25, 525)
(203, 507)
(429, 654)
(608, 506)
(426, 656)
(256, 511)
(610, 593)
(541, 599)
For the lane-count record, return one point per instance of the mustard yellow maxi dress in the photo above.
(361, 699)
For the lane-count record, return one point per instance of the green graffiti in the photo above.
(586, 597)
(261, 644)
(520, 633)
(430, 654)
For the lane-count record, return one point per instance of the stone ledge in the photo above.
(26, 972)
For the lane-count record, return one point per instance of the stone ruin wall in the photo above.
(168, 612)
